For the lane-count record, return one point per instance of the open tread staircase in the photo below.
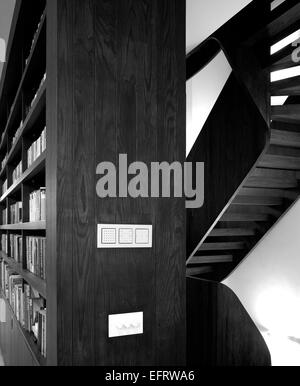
(273, 184)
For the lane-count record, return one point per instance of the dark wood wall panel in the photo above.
(84, 182)
(171, 226)
(123, 91)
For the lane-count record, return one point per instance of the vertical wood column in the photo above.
(116, 84)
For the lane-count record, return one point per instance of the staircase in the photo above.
(218, 242)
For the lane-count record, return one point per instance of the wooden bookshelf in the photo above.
(27, 337)
(31, 279)
(22, 120)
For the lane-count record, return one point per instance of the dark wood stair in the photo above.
(289, 86)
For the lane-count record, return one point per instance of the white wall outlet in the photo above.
(125, 324)
(124, 236)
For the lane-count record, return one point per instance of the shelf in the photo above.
(34, 112)
(39, 225)
(19, 91)
(34, 281)
(34, 169)
(40, 360)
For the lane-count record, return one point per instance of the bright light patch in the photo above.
(284, 74)
(284, 352)
(278, 100)
(285, 42)
(2, 50)
(276, 3)
(278, 310)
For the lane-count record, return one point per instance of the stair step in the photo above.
(282, 22)
(272, 178)
(257, 200)
(285, 138)
(279, 157)
(228, 246)
(244, 217)
(261, 192)
(289, 86)
(211, 259)
(231, 232)
(286, 113)
(282, 59)
(266, 210)
(198, 271)
(285, 21)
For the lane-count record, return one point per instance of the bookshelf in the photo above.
(22, 131)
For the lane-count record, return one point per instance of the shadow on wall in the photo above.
(268, 284)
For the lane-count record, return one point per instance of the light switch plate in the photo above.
(124, 236)
(125, 324)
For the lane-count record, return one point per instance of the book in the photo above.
(17, 173)
(36, 256)
(36, 149)
(15, 247)
(16, 213)
(37, 205)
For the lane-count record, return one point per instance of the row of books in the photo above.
(16, 213)
(4, 243)
(17, 173)
(34, 39)
(36, 255)
(17, 133)
(40, 86)
(4, 161)
(16, 247)
(4, 187)
(27, 304)
(4, 217)
(37, 205)
(37, 148)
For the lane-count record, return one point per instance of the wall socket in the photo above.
(124, 236)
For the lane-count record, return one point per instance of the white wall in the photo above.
(205, 16)
(202, 93)
(6, 13)
(268, 285)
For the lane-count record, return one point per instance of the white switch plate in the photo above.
(124, 236)
(125, 324)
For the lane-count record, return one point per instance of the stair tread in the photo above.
(230, 245)
(257, 200)
(261, 192)
(286, 113)
(272, 178)
(285, 138)
(211, 259)
(289, 86)
(241, 217)
(198, 271)
(282, 59)
(226, 232)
